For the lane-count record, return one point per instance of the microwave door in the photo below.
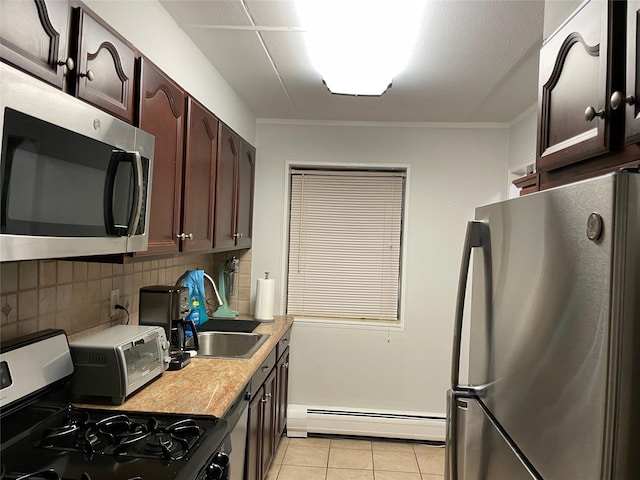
(123, 193)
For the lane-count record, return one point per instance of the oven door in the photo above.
(74, 180)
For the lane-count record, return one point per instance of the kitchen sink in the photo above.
(229, 344)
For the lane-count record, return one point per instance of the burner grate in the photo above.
(48, 474)
(122, 435)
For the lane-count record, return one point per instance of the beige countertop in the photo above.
(207, 386)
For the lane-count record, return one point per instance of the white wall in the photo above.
(522, 138)
(148, 26)
(522, 147)
(556, 12)
(452, 170)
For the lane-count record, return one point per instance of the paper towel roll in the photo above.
(265, 294)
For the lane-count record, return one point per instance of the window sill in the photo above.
(345, 323)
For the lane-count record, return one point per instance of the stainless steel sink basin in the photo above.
(229, 344)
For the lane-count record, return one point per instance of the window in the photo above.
(345, 244)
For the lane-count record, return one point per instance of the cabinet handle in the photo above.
(618, 98)
(69, 63)
(184, 236)
(285, 365)
(266, 398)
(265, 368)
(90, 76)
(236, 235)
(590, 113)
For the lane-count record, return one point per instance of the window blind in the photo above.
(345, 237)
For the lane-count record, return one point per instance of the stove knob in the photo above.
(222, 459)
(214, 472)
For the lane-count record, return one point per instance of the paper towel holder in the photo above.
(264, 299)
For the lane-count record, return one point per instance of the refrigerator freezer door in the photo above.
(483, 452)
(539, 346)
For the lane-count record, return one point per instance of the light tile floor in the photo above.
(325, 458)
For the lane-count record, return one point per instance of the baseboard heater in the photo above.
(303, 419)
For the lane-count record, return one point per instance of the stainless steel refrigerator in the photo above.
(554, 342)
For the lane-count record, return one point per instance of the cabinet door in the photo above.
(105, 68)
(269, 421)
(574, 77)
(199, 178)
(253, 456)
(33, 37)
(162, 113)
(244, 214)
(283, 394)
(228, 154)
(631, 99)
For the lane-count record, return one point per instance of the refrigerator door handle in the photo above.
(476, 236)
(455, 435)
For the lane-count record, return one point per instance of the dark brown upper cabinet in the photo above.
(34, 38)
(228, 155)
(72, 50)
(629, 99)
(162, 114)
(199, 179)
(184, 168)
(105, 73)
(234, 191)
(581, 65)
(246, 180)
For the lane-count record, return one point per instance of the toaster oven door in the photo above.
(144, 362)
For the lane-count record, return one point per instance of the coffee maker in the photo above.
(168, 307)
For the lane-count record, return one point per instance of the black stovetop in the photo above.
(69, 443)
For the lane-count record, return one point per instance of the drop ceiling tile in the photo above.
(274, 13)
(242, 62)
(206, 12)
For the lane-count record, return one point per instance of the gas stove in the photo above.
(46, 438)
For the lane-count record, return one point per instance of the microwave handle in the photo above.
(137, 194)
(117, 157)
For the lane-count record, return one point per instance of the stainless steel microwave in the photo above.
(74, 180)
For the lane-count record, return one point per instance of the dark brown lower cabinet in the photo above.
(269, 422)
(261, 434)
(267, 410)
(282, 368)
(253, 455)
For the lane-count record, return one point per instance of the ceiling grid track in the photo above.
(247, 12)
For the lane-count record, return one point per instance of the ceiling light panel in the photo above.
(359, 45)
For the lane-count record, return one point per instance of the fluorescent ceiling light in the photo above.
(358, 46)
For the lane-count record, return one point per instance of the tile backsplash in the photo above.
(74, 295)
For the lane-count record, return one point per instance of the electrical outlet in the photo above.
(115, 300)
